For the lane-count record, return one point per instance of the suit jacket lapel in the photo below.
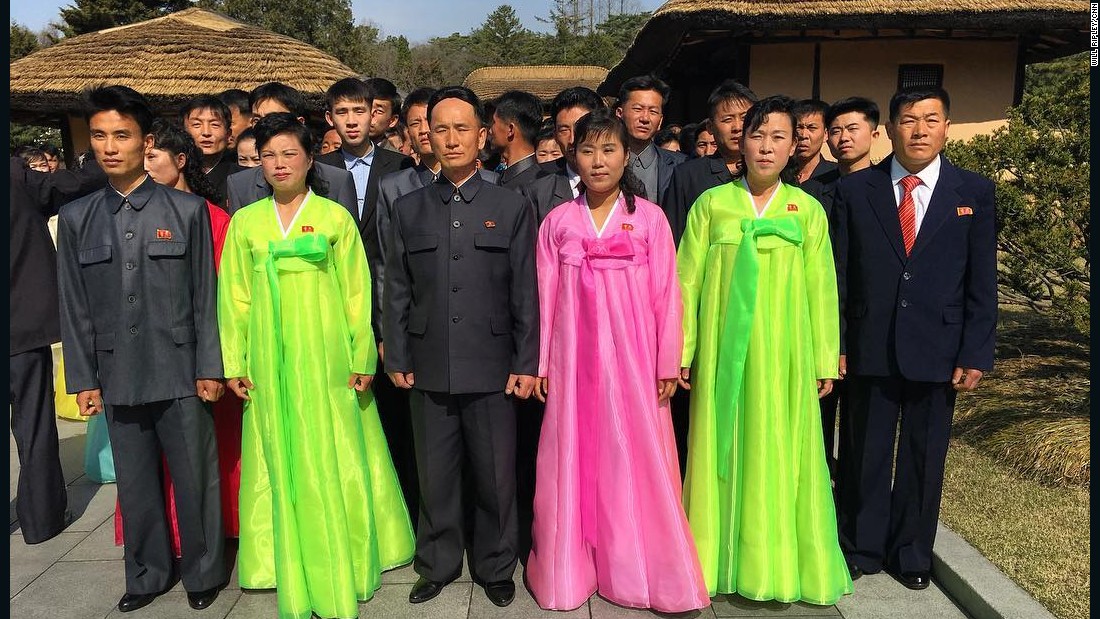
(563, 191)
(664, 175)
(940, 208)
(885, 206)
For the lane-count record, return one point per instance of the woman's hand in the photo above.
(824, 387)
(240, 386)
(360, 382)
(540, 389)
(666, 387)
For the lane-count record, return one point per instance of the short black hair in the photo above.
(757, 114)
(382, 89)
(664, 136)
(351, 89)
(909, 96)
(522, 108)
(236, 99)
(29, 153)
(247, 134)
(50, 149)
(287, 96)
(122, 99)
(206, 102)
(174, 140)
(546, 131)
(863, 105)
(729, 90)
(420, 96)
(808, 107)
(577, 96)
(457, 92)
(643, 82)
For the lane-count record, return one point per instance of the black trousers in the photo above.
(883, 525)
(41, 500)
(183, 431)
(528, 429)
(830, 405)
(453, 432)
(393, 412)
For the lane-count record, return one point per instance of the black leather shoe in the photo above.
(914, 580)
(501, 593)
(425, 590)
(134, 601)
(854, 570)
(202, 599)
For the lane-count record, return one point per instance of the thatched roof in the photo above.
(1048, 28)
(542, 81)
(169, 59)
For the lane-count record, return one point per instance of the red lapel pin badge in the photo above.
(792, 208)
(628, 227)
(307, 228)
(164, 235)
(964, 210)
(489, 223)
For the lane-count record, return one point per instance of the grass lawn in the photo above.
(1017, 476)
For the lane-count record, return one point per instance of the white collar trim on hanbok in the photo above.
(600, 229)
(279, 220)
(767, 205)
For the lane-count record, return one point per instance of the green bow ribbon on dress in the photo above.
(733, 347)
(309, 249)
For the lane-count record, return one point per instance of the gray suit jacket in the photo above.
(249, 185)
(547, 192)
(138, 294)
(461, 297)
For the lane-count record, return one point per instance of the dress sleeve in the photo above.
(665, 295)
(353, 276)
(235, 298)
(691, 261)
(821, 292)
(548, 266)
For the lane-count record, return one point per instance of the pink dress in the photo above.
(608, 516)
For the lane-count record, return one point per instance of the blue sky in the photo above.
(418, 20)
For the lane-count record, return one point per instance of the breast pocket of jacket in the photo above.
(495, 245)
(167, 268)
(421, 249)
(95, 267)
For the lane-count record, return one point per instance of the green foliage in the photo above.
(33, 135)
(22, 42)
(1040, 161)
(91, 15)
(325, 24)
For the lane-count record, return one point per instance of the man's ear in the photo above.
(302, 119)
(481, 134)
(149, 141)
(393, 121)
(328, 118)
(619, 111)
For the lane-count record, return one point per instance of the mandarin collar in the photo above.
(137, 198)
(465, 192)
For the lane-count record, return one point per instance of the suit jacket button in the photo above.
(131, 298)
(904, 303)
(133, 330)
(129, 235)
(457, 256)
(907, 276)
(454, 289)
(457, 198)
(129, 266)
(455, 319)
(456, 224)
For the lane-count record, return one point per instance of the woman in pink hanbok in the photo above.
(608, 517)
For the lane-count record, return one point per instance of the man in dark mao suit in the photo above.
(140, 332)
(34, 326)
(461, 331)
(916, 249)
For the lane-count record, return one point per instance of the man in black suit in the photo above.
(385, 108)
(248, 186)
(916, 250)
(851, 129)
(461, 331)
(641, 105)
(517, 117)
(207, 119)
(33, 327)
(140, 332)
(561, 184)
(727, 106)
(809, 138)
(349, 106)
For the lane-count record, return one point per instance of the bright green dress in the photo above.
(760, 327)
(321, 510)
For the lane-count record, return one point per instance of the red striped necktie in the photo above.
(907, 212)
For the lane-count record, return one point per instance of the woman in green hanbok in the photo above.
(761, 345)
(321, 510)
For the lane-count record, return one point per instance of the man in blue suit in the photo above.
(916, 248)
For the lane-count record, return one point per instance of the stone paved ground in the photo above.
(79, 575)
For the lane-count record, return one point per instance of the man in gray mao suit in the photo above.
(139, 326)
(461, 332)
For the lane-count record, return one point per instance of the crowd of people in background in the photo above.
(557, 333)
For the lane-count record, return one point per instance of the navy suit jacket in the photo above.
(918, 316)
